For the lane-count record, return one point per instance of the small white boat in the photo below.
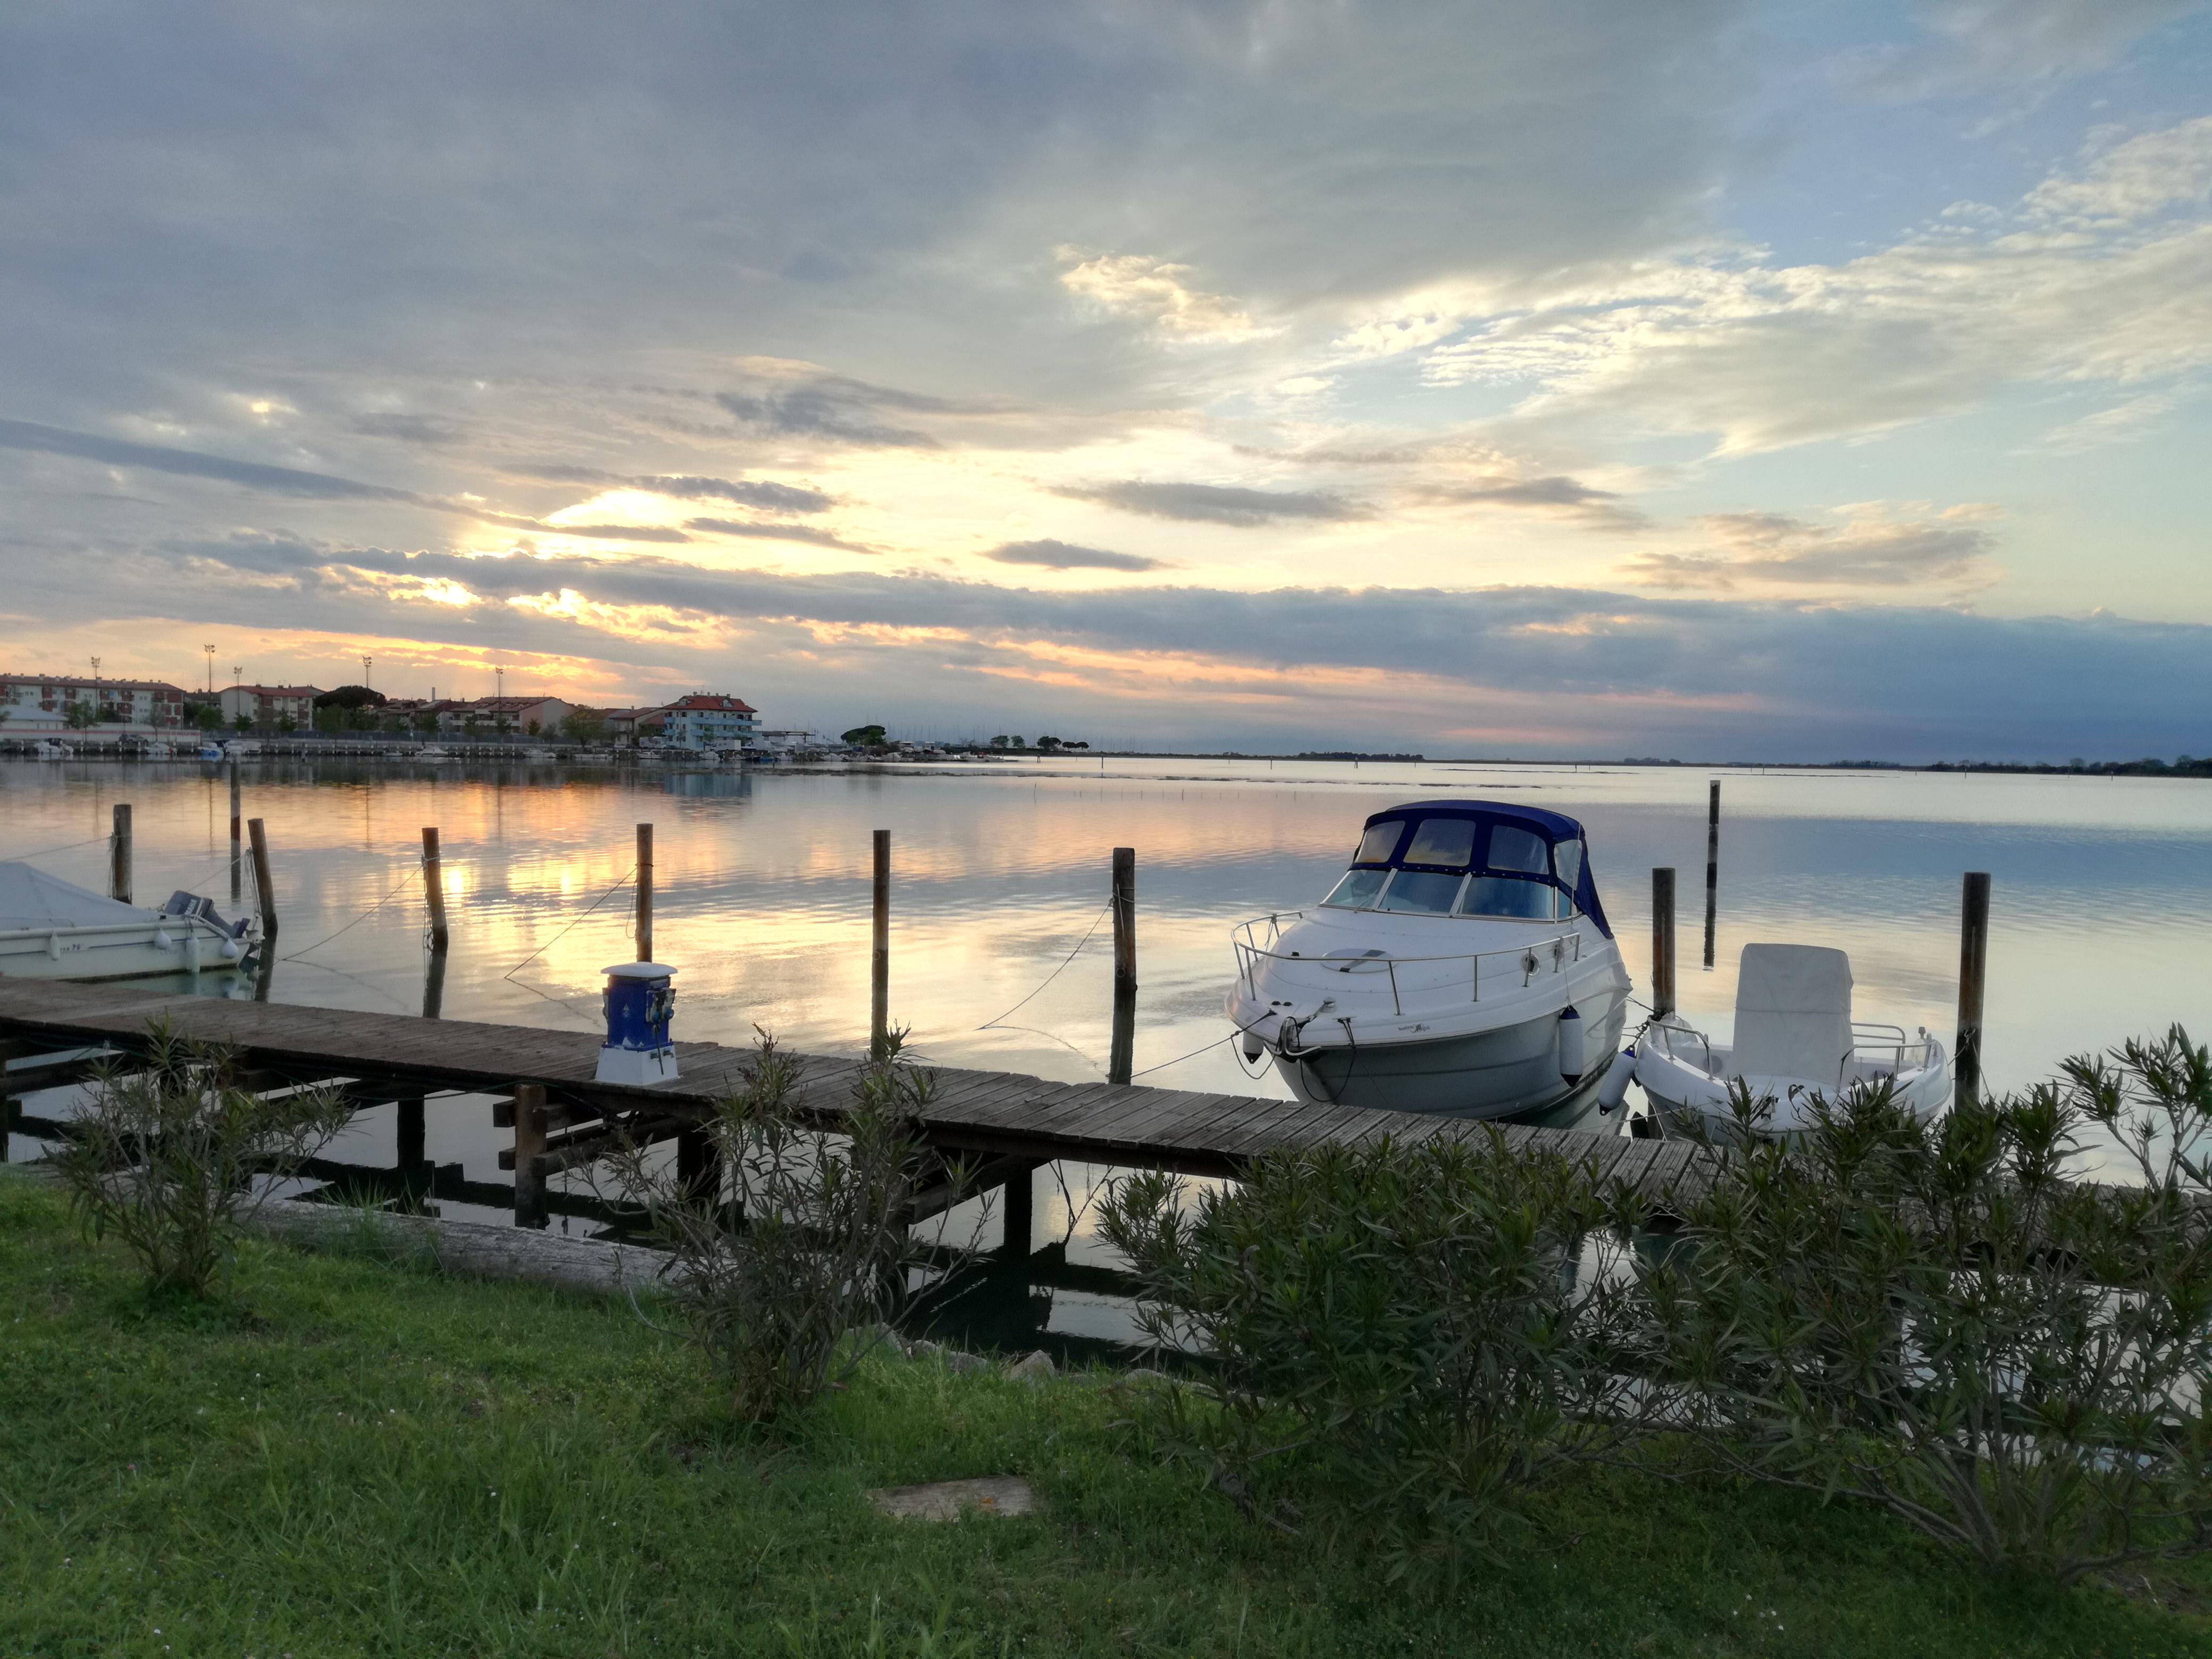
(431, 752)
(1461, 966)
(53, 929)
(211, 752)
(1795, 1043)
(47, 749)
(539, 757)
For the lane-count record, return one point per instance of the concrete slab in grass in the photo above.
(949, 1500)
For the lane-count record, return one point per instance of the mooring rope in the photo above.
(1055, 973)
(66, 847)
(563, 934)
(1195, 1052)
(355, 922)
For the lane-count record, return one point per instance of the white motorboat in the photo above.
(211, 752)
(432, 753)
(47, 749)
(1795, 1043)
(1461, 966)
(53, 929)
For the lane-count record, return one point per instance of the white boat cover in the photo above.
(1792, 1012)
(32, 899)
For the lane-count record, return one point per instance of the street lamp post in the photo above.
(210, 656)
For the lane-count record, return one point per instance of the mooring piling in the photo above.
(880, 966)
(1663, 940)
(434, 890)
(1712, 866)
(1122, 1055)
(645, 892)
(434, 985)
(530, 1209)
(1973, 970)
(119, 855)
(264, 884)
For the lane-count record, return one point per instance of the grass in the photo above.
(350, 1457)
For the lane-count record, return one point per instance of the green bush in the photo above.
(1934, 1318)
(166, 1154)
(798, 1237)
(1435, 1328)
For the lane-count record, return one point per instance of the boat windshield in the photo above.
(1421, 892)
(1509, 896)
(1446, 842)
(1379, 842)
(1518, 849)
(1358, 890)
(1567, 859)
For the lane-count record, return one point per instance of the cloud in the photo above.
(1134, 285)
(800, 401)
(2127, 182)
(192, 463)
(1869, 550)
(775, 532)
(1063, 555)
(765, 494)
(1712, 677)
(430, 431)
(1214, 503)
(1557, 495)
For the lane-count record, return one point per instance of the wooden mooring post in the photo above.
(264, 883)
(1712, 866)
(645, 892)
(434, 888)
(1663, 940)
(1973, 971)
(530, 1209)
(237, 853)
(119, 855)
(1122, 1055)
(879, 964)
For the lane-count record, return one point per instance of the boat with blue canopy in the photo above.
(1461, 965)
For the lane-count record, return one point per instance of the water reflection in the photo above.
(2103, 891)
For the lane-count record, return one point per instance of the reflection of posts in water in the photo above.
(434, 984)
(237, 825)
(1973, 970)
(119, 855)
(264, 973)
(1663, 940)
(1124, 901)
(699, 1170)
(1020, 1223)
(1712, 866)
(879, 964)
(412, 1167)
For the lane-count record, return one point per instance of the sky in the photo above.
(1707, 379)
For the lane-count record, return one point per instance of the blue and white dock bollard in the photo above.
(639, 1000)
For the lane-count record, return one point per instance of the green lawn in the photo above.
(348, 1457)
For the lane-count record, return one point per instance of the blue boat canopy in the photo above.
(1485, 838)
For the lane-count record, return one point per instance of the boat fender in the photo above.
(192, 952)
(1253, 1047)
(1574, 1058)
(1614, 1089)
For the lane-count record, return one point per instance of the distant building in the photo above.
(706, 719)
(42, 702)
(797, 742)
(488, 715)
(268, 704)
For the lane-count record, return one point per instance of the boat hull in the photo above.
(1508, 1072)
(170, 947)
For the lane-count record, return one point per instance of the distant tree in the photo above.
(286, 725)
(1000, 741)
(1078, 746)
(113, 715)
(79, 715)
(583, 726)
(533, 728)
(865, 737)
(210, 717)
(1047, 743)
(425, 721)
(243, 723)
(1018, 743)
(351, 697)
(329, 717)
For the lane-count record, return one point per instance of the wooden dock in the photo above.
(541, 1083)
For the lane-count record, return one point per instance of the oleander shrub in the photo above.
(1940, 1319)
(797, 1241)
(1430, 1330)
(172, 1152)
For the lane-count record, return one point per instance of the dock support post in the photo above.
(645, 892)
(237, 853)
(529, 1145)
(434, 888)
(880, 966)
(264, 883)
(698, 1169)
(1973, 971)
(119, 855)
(414, 1171)
(1663, 940)
(434, 986)
(1121, 1057)
(1020, 1229)
(1712, 866)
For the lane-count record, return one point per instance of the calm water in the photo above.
(2102, 897)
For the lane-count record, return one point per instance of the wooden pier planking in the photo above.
(1002, 1115)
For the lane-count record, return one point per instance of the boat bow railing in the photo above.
(1552, 955)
